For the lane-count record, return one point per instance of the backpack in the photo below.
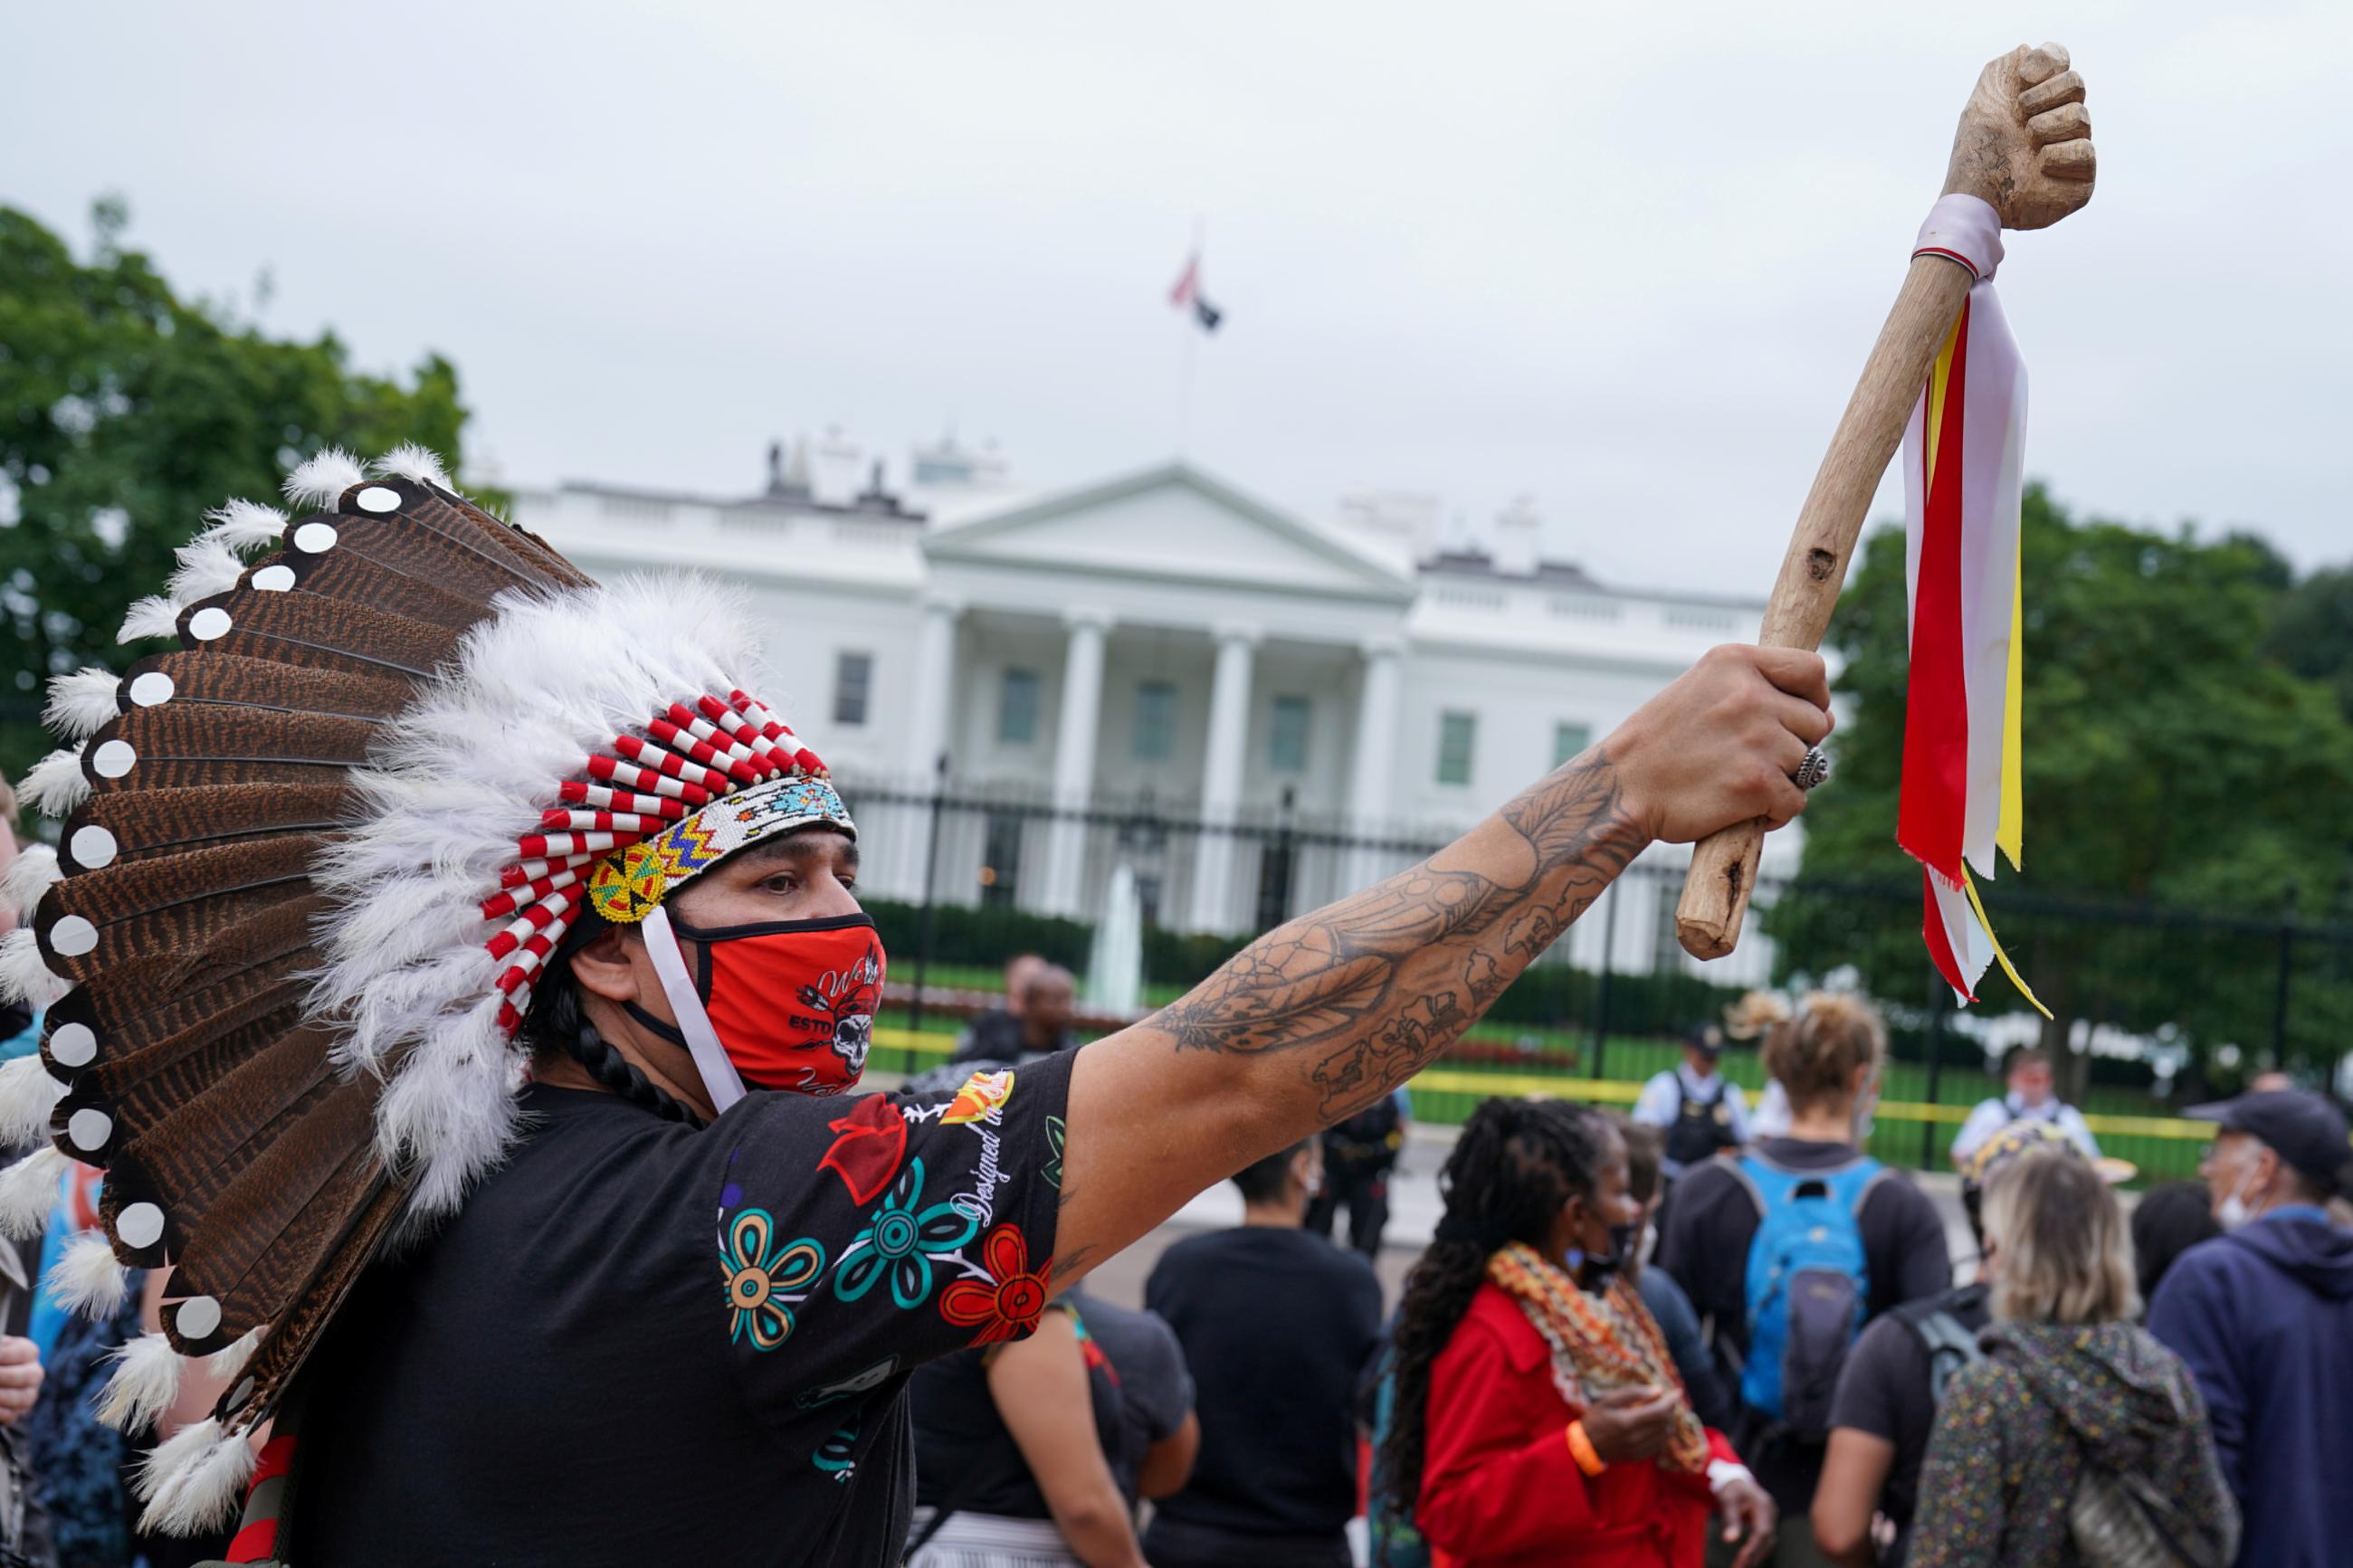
(1806, 1288)
(2120, 1518)
(1950, 1343)
(1388, 1519)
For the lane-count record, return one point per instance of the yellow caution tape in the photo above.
(1625, 1091)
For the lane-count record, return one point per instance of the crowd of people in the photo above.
(1661, 1340)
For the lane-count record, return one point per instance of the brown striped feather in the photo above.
(207, 675)
(274, 1222)
(325, 634)
(149, 824)
(169, 992)
(292, 1338)
(348, 573)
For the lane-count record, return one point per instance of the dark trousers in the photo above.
(1177, 1543)
(1363, 1186)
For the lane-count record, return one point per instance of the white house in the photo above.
(1256, 710)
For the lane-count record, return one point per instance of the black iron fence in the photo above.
(2173, 1004)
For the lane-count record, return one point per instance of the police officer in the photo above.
(1698, 1110)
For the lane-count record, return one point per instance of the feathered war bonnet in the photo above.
(311, 861)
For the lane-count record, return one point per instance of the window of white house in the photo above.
(1457, 734)
(1016, 707)
(853, 679)
(1156, 720)
(1286, 741)
(1568, 740)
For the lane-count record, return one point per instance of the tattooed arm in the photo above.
(1323, 1016)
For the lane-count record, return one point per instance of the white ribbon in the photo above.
(721, 1081)
(1966, 229)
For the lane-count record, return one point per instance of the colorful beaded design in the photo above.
(652, 795)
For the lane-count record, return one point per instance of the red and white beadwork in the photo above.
(689, 758)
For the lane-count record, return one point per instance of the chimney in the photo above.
(1518, 538)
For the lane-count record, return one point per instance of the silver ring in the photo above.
(1813, 770)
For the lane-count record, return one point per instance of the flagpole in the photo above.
(1185, 330)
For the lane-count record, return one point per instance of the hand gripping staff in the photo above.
(2023, 148)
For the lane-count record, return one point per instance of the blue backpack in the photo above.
(1807, 1286)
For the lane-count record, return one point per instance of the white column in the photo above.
(928, 737)
(1214, 896)
(1373, 778)
(1074, 761)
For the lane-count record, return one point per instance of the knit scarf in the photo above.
(1598, 1342)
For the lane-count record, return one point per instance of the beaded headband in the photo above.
(653, 813)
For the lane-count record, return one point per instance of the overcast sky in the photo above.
(1625, 259)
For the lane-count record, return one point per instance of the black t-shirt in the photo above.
(1885, 1390)
(1277, 1326)
(1706, 1246)
(640, 1343)
(965, 1458)
(1155, 1392)
(998, 1035)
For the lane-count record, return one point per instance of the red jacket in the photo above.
(1499, 1487)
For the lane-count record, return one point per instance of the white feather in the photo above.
(227, 1363)
(88, 1278)
(195, 1479)
(242, 524)
(153, 616)
(28, 1095)
(322, 480)
(206, 568)
(54, 786)
(144, 1383)
(80, 702)
(411, 462)
(24, 976)
(33, 872)
(462, 773)
(29, 1191)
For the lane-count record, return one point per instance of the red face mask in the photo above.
(791, 1001)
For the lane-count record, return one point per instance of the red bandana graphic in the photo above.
(866, 1154)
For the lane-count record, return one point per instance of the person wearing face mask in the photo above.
(459, 972)
(1789, 1251)
(2029, 1095)
(2264, 1316)
(1537, 1417)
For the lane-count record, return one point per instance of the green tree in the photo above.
(2312, 631)
(2170, 762)
(126, 412)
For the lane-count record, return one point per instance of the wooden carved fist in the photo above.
(2024, 143)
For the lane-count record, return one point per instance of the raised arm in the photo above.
(1323, 1016)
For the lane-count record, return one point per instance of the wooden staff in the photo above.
(2024, 147)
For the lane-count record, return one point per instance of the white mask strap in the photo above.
(720, 1078)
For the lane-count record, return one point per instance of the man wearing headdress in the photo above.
(462, 976)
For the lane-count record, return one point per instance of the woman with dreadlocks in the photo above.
(1539, 1418)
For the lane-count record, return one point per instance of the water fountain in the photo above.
(1116, 968)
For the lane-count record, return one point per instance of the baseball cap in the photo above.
(2303, 1130)
(1708, 1037)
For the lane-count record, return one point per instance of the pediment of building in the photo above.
(1173, 523)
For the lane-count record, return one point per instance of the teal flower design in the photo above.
(836, 1457)
(760, 1270)
(900, 1239)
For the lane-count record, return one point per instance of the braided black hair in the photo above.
(1515, 1164)
(556, 1024)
